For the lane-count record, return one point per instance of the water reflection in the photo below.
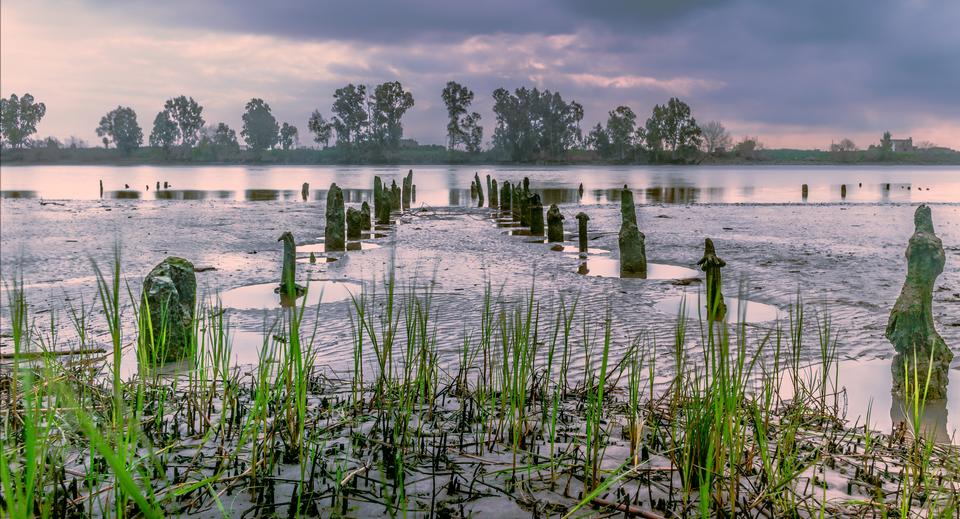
(610, 268)
(192, 194)
(449, 185)
(126, 194)
(18, 194)
(267, 195)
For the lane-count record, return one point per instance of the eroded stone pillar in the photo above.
(919, 347)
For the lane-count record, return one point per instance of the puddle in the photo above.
(254, 297)
(755, 312)
(867, 385)
(610, 268)
(351, 246)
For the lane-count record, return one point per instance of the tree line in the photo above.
(531, 125)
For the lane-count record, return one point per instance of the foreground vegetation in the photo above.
(527, 420)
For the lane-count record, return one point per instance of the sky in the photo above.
(797, 74)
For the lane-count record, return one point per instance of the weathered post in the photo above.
(170, 294)
(333, 234)
(633, 254)
(377, 191)
(525, 202)
(804, 190)
(101, 187)
(354, 224)
(489, 194)
(711, 264)
(407, 189)
(476, 179)
(304, 191)
(365, 222)
(397, 195)
(580, 191)
(535, 217)
(494, 199)
(505, 196)
(843, 191)
(582, 220)
(554, 224)
(920, 349)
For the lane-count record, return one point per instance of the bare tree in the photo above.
(715, 136)
(843, 145)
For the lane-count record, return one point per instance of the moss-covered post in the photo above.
(407, 192)
(920, 349)
(804, 191)
(494, 194)
(633, 254)
(365, 222)
(170, 294)
(505, 196)
(354, 224)
(711, 264)
(333, 235)
(476, 180)
(305, 191)
(843, 191)
(288, 274)
(554, 224)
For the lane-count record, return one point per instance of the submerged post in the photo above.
(170, 293)
(535, 209)
(304, 191)
(582, 220)
(633, 254)
(333, 239)
(554, 224)
(711, 264)
(920, 349)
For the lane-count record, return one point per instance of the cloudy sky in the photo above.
(794, 73)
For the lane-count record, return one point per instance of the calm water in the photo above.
(450, 186)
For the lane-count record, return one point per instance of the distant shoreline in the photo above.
(440, 156)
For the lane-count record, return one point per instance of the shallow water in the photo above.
(738, 310)
(610, 268)
(845, 259)
(439, 186)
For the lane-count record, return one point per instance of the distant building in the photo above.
(902, 144)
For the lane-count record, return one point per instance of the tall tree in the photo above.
(120, 126)
(288, 136)
(165, 132)
(19, 117)
(350, 116)
(225, 137)
(535, 124)
(457, 99)
(472, 133)
(188, 116)
(715, 136)
(886, 143)
(260, 128)
(320, 128)
(621, 129)
(390, 101)
(599, 140)
(672, 128)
